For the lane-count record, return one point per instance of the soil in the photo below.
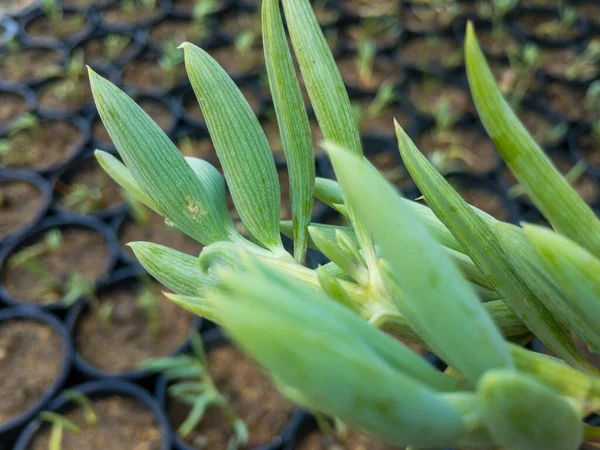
(425, 53)
(537, 25)
(84, 3)
(589, 147)
(425, 19)
(490, 202)
(82, 251)
(242, 21)
(100, 134)
(199, 148)
(19, 204)
(496, 44)
(370, 8)
(352, 440)
(12, 105)
(383, 36)
(557, 62)
(173, 30)
(41, 148)
(159, 112)
(62, 29)
(66, 95)
(128, 340)
(427, 94)
(326, 14)
(538, 126)
(383, 123)
(157, 231)
(14, 6)
(123, 424)
(251, 395)
(95, 50)
(384, 70)
(508, 78)
(31, 356)
(477, 153)
(237, 66)
(117, 13)
(590, 10)
(30, 64)
(391, 169)
(148, 75)
(192, 107)
(570, 102)
(106, 193)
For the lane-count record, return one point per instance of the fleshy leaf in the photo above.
(549, 190)
(436, 297)
(177, 271)
(156, 164)
(293, 123)
(577, 274)
(241, 146)
(521, 413)
(322, 78)
(481, 244)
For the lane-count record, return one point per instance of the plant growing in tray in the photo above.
(446, 276)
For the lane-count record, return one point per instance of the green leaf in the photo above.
(293, 123)
(481, 244)
(436, 297)
(548, 189)
(175, 270)
(156, 164)
(122, 176)
(577, 273)
(523, 414)
(241, 146)
(322, 78)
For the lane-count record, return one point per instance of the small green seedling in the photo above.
(192, 385)
(524, 63)
(27, 123)
(201, 14)
(129, 6)
(60, 423)
(585, 65)
(52, 9)
(243, 45)
(171, 60)
(149, 303)
(114, 46)
(555, 28)
(365, 60)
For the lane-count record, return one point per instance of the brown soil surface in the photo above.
(117, 14)
(84, 3)
(66, 94)
(158, 232)
(383, 124)
(352, 440)
(62, 29)
(148, 75)
(371, 8)
(558, 61)
(95, 50)
(199, 148)
(391, 169)
(569, 102)
(173, 30)
(30, 64)
(38, 149)
(383, 36)
(538, 126)
(590, 149)
(384, 69)
(19, 204)
(31, 355)
(184, 6)
(537, 25)
(427, 94)
(425, 52)
(12, 105)
(496, 45)
(159, 112)
(123, 424)
(14, 6)
(590, 10)
(251, 395)
(477, 153)
(83, 251)
(240, 22)
(420, 19)
(489, 202)
(99, 132)
(88, 173)
(236, 65)
(128, 340)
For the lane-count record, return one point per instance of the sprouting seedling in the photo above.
(496, 10)
(201, 13)
(586, 64)
(129, 5)
(524, 63)
(80, 197)
(572, 176)
(386, 95)
(170, 61)
(592, 97)
(137, 210)
(114, 45)
(78, 286)
(568, 16)
(445, 117)
(60, 423)
(192, 385)
(149, 303)
(52, 10)
(365, 59)
(68, 89)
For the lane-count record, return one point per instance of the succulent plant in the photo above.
(446, 276)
